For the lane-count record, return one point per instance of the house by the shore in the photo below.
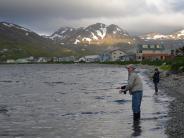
(117, 55)
(10, 61)
(151, 52)
(89, 58)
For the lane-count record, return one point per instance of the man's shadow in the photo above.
(136, 127)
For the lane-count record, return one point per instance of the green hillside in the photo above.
(19, 42)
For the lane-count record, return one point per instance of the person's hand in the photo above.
(120, 91)
(123, 87)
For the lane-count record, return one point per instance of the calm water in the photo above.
(75, 101)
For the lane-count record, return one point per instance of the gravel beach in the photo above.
(173, 86)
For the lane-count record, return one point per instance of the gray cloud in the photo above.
(178, 5)
(71, 9)
(46, 16)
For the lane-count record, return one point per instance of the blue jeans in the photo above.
(156, 86)
(136, 101)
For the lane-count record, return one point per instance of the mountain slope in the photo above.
(95, 34)
(178, 35)
(18, 42)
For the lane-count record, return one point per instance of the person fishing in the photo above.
(135, 88)
(156, 79)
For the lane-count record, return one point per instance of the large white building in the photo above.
(116, 54)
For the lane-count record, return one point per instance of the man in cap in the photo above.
(135, 88)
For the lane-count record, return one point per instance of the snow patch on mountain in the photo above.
(24, 29)
(56, 36)
(156, 36)
(94, 36)
(8, 25)
(102, 32)
(86, 39)
(114, 32)
(180, 33)
(76, 41)
(15, 26)
(118, 29)
(63, 31)
(125, 34)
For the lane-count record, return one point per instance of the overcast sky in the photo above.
(135, 16)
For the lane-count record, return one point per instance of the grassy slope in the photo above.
(20, 45)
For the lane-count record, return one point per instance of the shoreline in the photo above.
(173, 86)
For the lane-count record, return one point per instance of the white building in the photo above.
(116, 54)
(42, 60)
(67, 59)
(21, 60)
(10, 61)
(90, 58)
(82, 59)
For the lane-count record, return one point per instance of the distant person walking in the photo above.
(135, 88)
(156, 79)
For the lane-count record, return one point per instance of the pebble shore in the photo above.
(173, 85)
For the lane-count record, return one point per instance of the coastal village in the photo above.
(92, 69)
(141, 52)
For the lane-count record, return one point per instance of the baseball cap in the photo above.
(131, 66)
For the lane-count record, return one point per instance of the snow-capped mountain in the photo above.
(153, 36)
(10, 25)
(16, 32)
(157, 36)
(64, 33)
(177, 35)
(94, 34)
(20, 42)
(17, 41)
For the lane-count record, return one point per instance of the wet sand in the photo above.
(173, 86)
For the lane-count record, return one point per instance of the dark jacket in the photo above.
(156, 77)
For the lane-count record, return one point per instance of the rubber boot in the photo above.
(136, 116)
(139, 115)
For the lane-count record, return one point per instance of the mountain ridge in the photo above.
(17, 41)
(96, 34)
(177, 35)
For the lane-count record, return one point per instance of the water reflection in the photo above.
(76, 101)
(136, 127)
(156, 93)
